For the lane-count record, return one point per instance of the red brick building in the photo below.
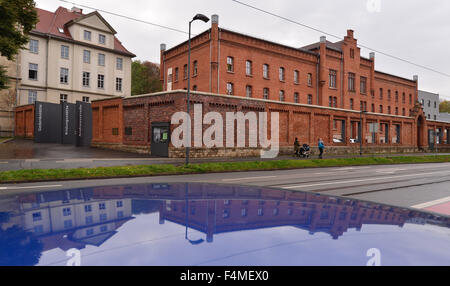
(324, 73)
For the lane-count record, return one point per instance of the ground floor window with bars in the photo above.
(118, 84)
(63, 98)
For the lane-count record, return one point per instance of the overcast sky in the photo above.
(418, 31)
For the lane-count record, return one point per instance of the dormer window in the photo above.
(61, 30)
(87, 35)
(101, 39)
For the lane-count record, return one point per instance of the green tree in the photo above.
(444, 106)
(144, 78)
(17, 19)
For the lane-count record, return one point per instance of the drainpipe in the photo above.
(46, 69)
(317, 79)
(342, 80)
(218, 67)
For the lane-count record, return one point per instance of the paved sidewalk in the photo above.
(25, 154)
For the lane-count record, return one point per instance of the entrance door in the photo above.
(160, 139)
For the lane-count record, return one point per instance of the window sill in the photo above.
(232, 72)
(332, 88)
(249, 75)
(266, 78)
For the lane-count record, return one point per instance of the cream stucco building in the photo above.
(71, 57)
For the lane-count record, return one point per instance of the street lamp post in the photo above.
(361, 131)
(205, 19)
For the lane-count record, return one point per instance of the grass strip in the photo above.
(37, 175)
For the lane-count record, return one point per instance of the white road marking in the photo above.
(389, 170)
(362, 180)
(248, 178)
(31, 187)
(432, 203)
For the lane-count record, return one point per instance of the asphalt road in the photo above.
(424, 186)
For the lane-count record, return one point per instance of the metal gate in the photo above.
(160, 139)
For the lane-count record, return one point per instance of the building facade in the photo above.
(324, 73)
(430, 103)
(70, 57)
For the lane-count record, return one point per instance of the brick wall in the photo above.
(306, 122)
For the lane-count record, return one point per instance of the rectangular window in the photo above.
(86, 78)
(381, 94)
(248, 68)
(67, 212)
(101, 60)
(248, 91)
(185, 72)
(64, 52)
(310, 99)
(64, 76)
(266, 93)
(230, 88)
(195, 68)
(102, 206)
(120, 214)
(389, 94)
(230, 64)
(351, 82)
(89, 220)
(101, 39)
(396, 96)
(403, 98)
(118, 84)
(119, 204)
(87, 208)
(332, 79)
(119, 64)
(86, 99)
(86, 57)
(176, 74)
(296, 97)
(34, 46)
(103, 217)
(381, 108)
(32, 96)
(33, 72)
(296, 77)
(309, 79)
(282, 95)
(266, 71)
(363, 87)
(68, 223)
(87, 35)
(100, 81)
(282, 75)
(37, 216)
(62, 98)
(351, 104)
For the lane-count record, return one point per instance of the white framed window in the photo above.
(266, 71)
(282, 74)
(33, 72)
(64, 52)
(195, 68)
(119, 64)
(86, 99)
(332, 80)
(118, 84)
(34, 46)
(64, 75)
(67, 212)
(265, 93)
(296, 97)
(248, 91)
(310, 99)
(86, 78)
(101, 81)
(68, 223)
(230, 88)
(63, 98)
(101, 60)
(309, 79)
(296, 77)
(101, 39)
(282, 95)
(86, 57)
(248, 68)
(32, 96)
(87, 35)
(230, 64)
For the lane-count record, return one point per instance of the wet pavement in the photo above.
(27, 149)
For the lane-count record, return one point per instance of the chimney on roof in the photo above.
(215, 19)
(76, 10)
(416, 78)
(372, 55)
(323, 39)
(350, 33)
(163, 47)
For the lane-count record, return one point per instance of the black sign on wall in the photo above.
(83, 127)
(68, 123)
(47, 122)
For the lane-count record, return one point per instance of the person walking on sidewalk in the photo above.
(321, 147)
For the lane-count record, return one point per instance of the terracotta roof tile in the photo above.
(50, 23)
